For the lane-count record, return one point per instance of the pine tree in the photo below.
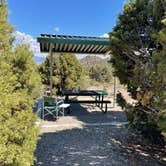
(139, 61)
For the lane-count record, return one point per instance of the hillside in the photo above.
(93, 60)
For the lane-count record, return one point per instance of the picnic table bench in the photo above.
(98, 94)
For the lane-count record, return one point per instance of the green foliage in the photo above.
(18, 138)
(26, 71)
(138, 45)
(101, 73)
(67, 72)
(120, 100)
(18, 134)
(6, 30)
(97, 69)
(18, 83)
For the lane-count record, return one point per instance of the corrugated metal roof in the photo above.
(73, 44)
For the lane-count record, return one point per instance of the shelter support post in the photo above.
(114, 99)
(51, 59)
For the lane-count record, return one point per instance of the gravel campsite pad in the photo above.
(94, 139)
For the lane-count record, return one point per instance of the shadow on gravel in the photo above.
(96, 145)
(87, 114)
(108, 146)
(92, 114)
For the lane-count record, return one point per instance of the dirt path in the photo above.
(88, 137)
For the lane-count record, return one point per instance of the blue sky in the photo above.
(68, 17)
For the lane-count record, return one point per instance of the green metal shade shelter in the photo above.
(71, 44)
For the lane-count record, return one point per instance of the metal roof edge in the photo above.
(74, 40)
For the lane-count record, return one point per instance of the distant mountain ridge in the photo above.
(89, 60)
(93, 60)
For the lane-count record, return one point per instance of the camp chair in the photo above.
(49, 106)
(53, 106)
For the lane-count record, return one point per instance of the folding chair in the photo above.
(49, 106)
(53, 106)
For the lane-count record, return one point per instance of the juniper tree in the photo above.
(26, 71)
(101, 73)
(67, 72)
(138, 48)
(6, 37)
(18, 134)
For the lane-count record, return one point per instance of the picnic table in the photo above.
(97, 94)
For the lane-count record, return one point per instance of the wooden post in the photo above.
(51, 58)
(114, 99)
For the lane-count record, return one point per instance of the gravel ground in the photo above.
(69, 141)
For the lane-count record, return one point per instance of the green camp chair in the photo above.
(53, 106)
(49, 106)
